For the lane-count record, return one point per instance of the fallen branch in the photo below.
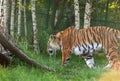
(18, 53)
(4, 60)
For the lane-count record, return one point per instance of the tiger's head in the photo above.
(54, 43)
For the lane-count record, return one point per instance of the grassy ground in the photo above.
(76, 70)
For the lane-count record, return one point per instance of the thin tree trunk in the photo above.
(12, 20)
(34, 26)
(77, 14)
(19, 20)
(55, 6)
(1, 16)
(0, 7)
(25, 25)
(6, 18)
(18, 53)
(62, 9)
(4, 60)
(56, 18)
(1, 21)
(1, 1)
(48, 14)
(87, 15)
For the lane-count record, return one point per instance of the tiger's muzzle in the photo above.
(50, 51)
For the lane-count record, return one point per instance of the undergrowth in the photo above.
(76, 70)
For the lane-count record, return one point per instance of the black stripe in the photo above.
(113, 57)
(97, 44)
(88, 37)
(67, 59)
(113, 50)
(78, 39)
(84, 47)
(92, 45)
(89, 57)
(79, 48)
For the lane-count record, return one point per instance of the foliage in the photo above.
(103, 13)
(74, 71)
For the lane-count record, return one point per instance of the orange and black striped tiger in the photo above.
(83, 42)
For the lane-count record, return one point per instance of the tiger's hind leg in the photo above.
(89, 61)
(109, 65)
(112, 56)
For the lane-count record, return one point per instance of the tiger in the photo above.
(83, 42)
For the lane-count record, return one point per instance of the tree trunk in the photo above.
(1, 16)
(56, 18)
(4, 60)
(25, 25)
(87, 15)
(18, 53)
(19, 20)
(1, 21)
(1, 1)
(12, 21)
(55, 6)
(62, 9)
(33, 10)
(77, 14)
(6, 5)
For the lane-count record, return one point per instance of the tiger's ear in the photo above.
(58, 35)
(52, 37)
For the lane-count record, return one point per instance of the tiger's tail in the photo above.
(118, 36)
(118, 65)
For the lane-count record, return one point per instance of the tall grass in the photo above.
(76, 70)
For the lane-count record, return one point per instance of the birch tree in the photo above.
(61, 12)
(6, 5)
(1, 16)
(12, 20)
(34, 26)
(77, 14)
(1, 21)
(19, 19)
(56, 18)
(25, 25)
(54, 14)
(87, 15)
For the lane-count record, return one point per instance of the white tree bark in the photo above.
(6, 18)
(1, 16)
(12, 20)
(19, 20)
(77, 14)
(56, 18)
(87, 15)
(0, 7)
(34, 26)
(1, 22)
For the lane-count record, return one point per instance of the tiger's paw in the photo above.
(117, 66)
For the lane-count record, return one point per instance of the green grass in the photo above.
(76, 70)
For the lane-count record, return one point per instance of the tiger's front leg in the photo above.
(89, 61)
(65, 56)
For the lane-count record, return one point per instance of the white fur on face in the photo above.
(55, 46)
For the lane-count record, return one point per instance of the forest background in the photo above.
(29, 23)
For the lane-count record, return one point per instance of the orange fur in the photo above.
(107, 37)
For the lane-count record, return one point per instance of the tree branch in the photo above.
(18, 53)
